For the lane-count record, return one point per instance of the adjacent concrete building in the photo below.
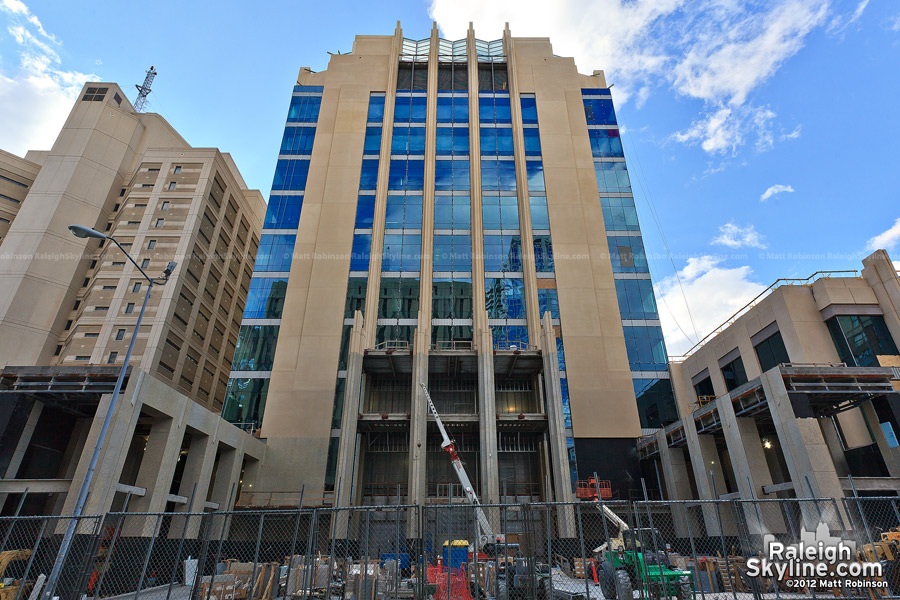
(456, 213)
(16, 178)
(68, 309)
(794, 396)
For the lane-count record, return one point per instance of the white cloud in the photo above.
(886, 239)
(735, 236)
(35, 98)
(792, 135)
(775, 189)
(712, 292)
(717, 51)
(839, 23)
(895, 23)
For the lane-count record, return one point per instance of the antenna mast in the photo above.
(143, 91)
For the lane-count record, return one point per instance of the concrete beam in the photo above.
(871, 484)
(778, 487)
(131, 489)
(35, 486)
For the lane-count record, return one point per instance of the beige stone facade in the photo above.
(323, 436)
(16, 177)
(69, 306)
(793, 394)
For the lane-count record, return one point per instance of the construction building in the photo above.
(796, 396)
(69, 306)
(16, 177)
(456, 213)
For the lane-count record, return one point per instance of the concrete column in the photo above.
(418, 428)
(225, 489)
(676, 480)
(805, 451)
(750, 468)
(674, 469)
(158, 465)
(228, 472)
(15, 460)
(112, 456)
(197, 471)
(890, 455)
(487, 415)
(556, 428)
(347, 451)
(74, 450)
(835, 447)
(708, 468)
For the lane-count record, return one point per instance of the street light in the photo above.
(86, 232)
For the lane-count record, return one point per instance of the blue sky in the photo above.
(762, 135)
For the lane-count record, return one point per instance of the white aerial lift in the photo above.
(486, 536)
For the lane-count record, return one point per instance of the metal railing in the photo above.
(740, 312)
(653, 550)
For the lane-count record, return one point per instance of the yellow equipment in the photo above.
(10, 592)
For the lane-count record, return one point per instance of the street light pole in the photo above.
(53, 579)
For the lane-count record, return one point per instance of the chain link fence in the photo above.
(547, 551)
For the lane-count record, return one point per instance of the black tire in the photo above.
(623, 585)
(607, 578)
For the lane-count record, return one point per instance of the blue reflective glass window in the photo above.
(646, 348)
(540, 219)
(503, 253)
(567, 417)
(510, 336)
(627, 255)
(283, 212)
(500, 212)
(265, 299)
(529, 110)
(535, 172)
(504, 298)
(245, 400)
(408, 140)
(406, 175)
(368, 177)
(599, 111)
(275, 252)
(452, 253)
(605, 143)
(255, 348)
(451, 175)
(496, 141)
(612, 177)
(619, 214)
(372, 144)
(498, 175)
(376, 109)
(304, 109)
(398, 298)
(494, 110)
(560, 354)
(402, 252)
(359, 255)
(452, 212)
(290, 174)
(548, 302)
(595, 92)
(636, 299)
(543, 254)
(532, 141)
(365, 212)
(452, 109)
(298, 140)
(403, 212)
(409, 109)
(452, 141)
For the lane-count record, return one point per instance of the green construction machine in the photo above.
(638, 558)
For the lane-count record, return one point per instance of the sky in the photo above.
(761, 136)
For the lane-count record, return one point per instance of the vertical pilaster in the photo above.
(529, 273)
(197, 471)
(348, 451)
(487, 415)
(157, 466)
(805, 451)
